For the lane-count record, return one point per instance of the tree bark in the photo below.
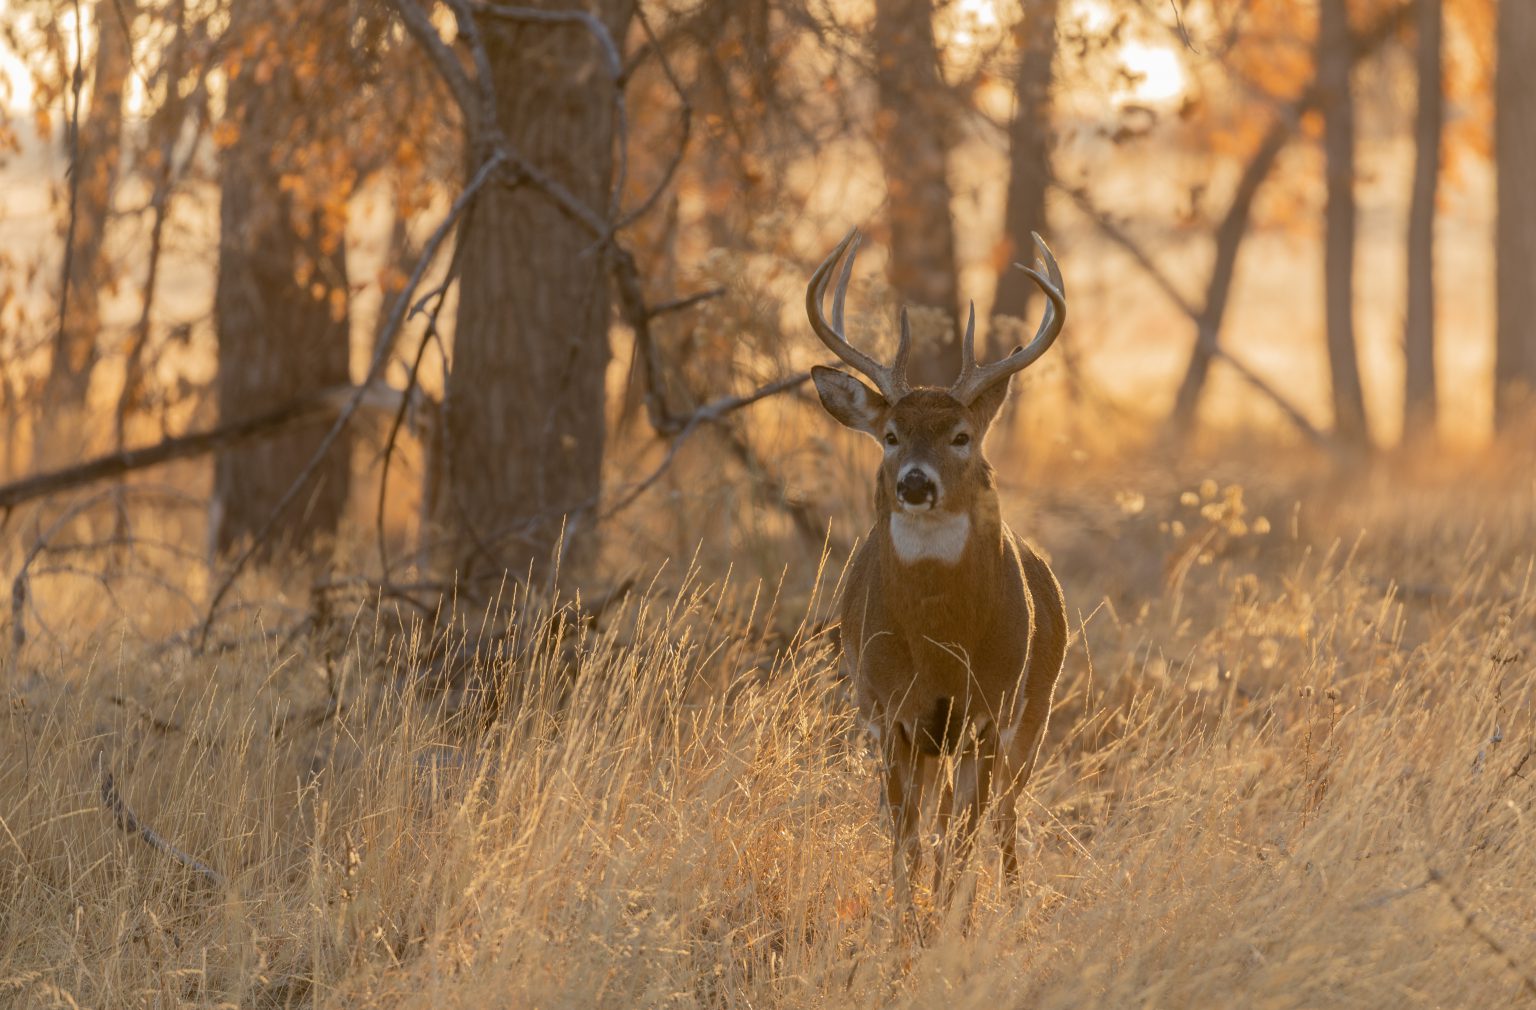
(912, 131)
(1515, 231)
(280, 308)
(1333, 69)
(526, 393)
(61, 430)
(1029, 164)
(1419, 394)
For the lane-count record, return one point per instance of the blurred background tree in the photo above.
(439, 287)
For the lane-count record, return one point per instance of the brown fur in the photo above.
(946, 659)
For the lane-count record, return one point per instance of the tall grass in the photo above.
(1287, 768)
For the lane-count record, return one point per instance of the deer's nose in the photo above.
(915, 487)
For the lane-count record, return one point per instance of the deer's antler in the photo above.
(973, 377)
(891, 381)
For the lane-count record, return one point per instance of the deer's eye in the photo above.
(961, 439)
(890, 438)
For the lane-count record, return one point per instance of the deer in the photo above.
(953, 629)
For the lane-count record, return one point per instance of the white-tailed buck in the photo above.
(953, 629)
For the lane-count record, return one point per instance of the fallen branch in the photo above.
(324, 403)
(130, 823)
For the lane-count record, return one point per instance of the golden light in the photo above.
(968, 26)
(1160, 75)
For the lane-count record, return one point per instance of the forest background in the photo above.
(419, 531)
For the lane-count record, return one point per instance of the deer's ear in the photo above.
(990, 400)
(849, 400)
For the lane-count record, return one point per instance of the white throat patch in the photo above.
(930, 536)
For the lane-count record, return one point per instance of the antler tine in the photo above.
(967, 353)
(840, 293)
(903, 352)
(975, 378)
(890, 381)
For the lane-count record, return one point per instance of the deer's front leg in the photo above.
(1015, 766)
(904, 796)
(969, 797)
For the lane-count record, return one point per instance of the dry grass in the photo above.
(1293, 768)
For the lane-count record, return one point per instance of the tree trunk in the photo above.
(912, 131)
(280, 309)
(1234, 224)
(1419, 396)
(1515, 231)
(61, 430)
(526, 392)
(1333, 67)
(1029, 166)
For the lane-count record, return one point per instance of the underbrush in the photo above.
(1292, 764)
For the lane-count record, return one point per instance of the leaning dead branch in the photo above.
(130, 823)
(1234, 224)
(1206, 320)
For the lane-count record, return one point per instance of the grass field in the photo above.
(1292, 765)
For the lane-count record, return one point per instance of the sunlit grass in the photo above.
(1291, 765)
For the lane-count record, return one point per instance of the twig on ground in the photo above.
(130, 823)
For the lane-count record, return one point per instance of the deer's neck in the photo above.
(930, 536)
(950, 540)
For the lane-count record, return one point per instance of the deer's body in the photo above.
(931, 656)
(953, 628)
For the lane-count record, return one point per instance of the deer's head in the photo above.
(932, 437)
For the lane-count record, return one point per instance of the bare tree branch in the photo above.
(687, 426)
(685, 127)
(440, 293)
(419, 24)
(116, 464)
(1122, 238)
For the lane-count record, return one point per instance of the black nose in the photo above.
(915, 487)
